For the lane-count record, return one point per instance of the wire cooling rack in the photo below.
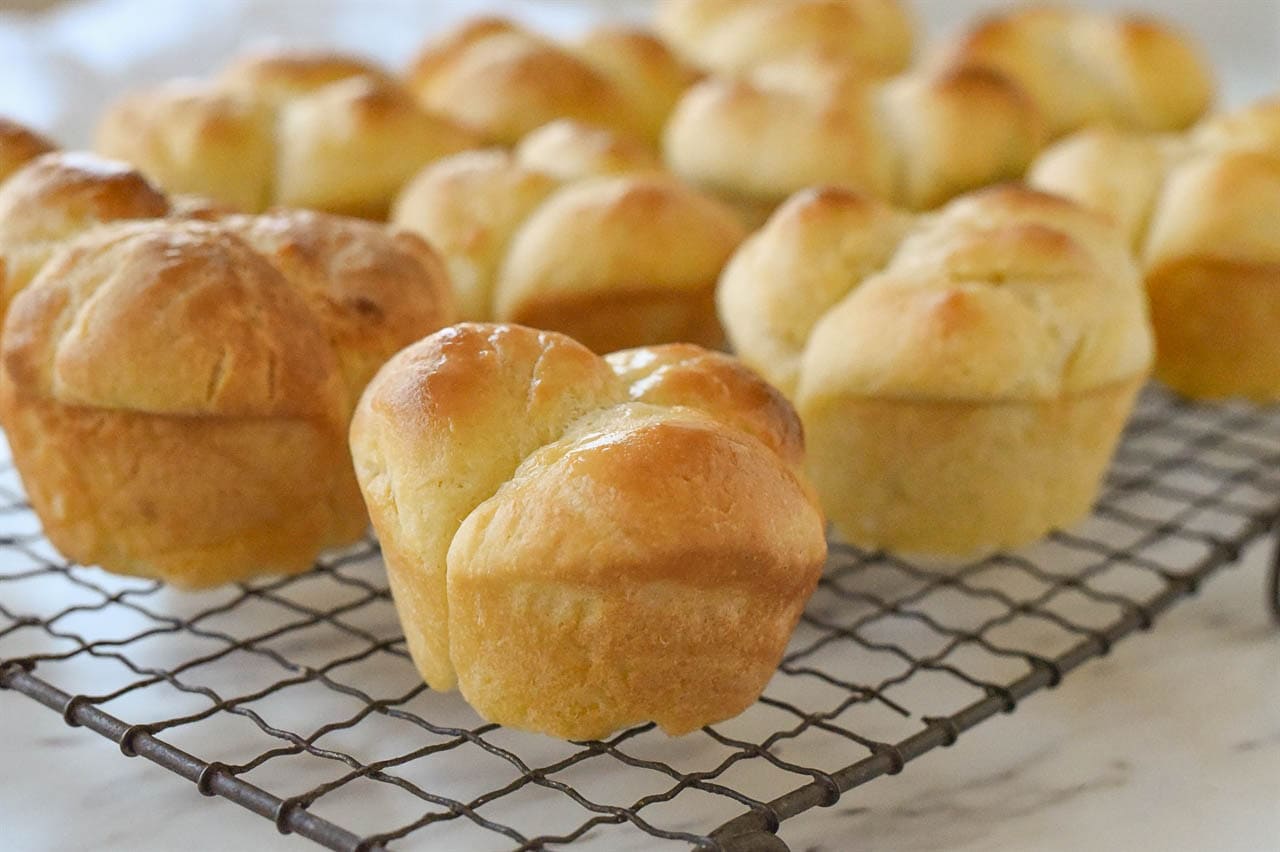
(296, 698)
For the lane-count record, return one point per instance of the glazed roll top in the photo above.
(177, 392)
(915, 141)
(1082, 68)
(54, 198)
(275, 77)
(734, 36)
(576, 540)
(1199, 209)
(578, 232)
(373, 290)
(1164, 190)
(507, 81)
(234, 338)
(317, 130)
(568, 150)
(192, 136)
(1006, 293)
(19, 145)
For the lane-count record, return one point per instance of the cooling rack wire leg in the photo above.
(760, 840)
(1273, 582)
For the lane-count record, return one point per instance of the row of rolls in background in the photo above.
(199, 391)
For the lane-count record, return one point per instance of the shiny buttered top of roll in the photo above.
(57, 196)
(1199, 209)
(505, 80)
(1006, 293)
(915, 140)
(176, 393)
(735, 36)
(1083, 68)
(963, 376)
(583, 543)
(316, 130)
(19, 145)
(577, 231)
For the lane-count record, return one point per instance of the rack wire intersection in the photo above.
(295, 697)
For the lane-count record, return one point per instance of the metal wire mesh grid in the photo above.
(298, 696)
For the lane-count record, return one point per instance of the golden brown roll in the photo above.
(275, 77)
(649, 75)
(58, 196)
(582, 544)
(733, 36)
(374, 290)
(350, 147)
(916, 140)
(1213, 276)
(962, 376)
(1200, 210)
(615, 261)
(19, 145)
(191, 136)
(505, 80)
(193, 432)
(1082, 68)
(569, 150)
(299, 129)
(177, 402)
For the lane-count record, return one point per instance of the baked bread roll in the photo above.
(373, 290)
(350, 147)
(734, 36)
(963, 376)
(569, 150)
(191, 136)
(58, 196)
(303, 130)
(582, 544)
(506, 81)
(177, 403)
(275, 77)
(916, 141)
(19, 145)
(1083, 68)
(1200, 210)
(614, 261)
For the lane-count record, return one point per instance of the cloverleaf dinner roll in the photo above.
(1082, 68)
(611, 260)
(57, 196)
(505, 80)
(296, 129)
(962, 376)
(176, 394)
(916, 140)
(1201, 212)
(373, 290)
(806, 112)
(584, 543)
(733, 36)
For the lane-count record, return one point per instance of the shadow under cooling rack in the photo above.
(295, 697)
